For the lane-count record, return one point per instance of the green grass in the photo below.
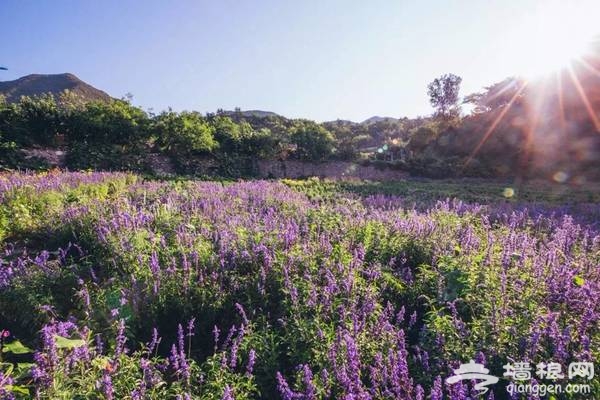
(479, 191)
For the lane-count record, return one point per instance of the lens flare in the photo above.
(554, 35)
(508, 192)
(560, 177)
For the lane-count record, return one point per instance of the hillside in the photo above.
(377, 118)
(252, 113)
(36, 84)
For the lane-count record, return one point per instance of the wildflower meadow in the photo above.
(117, 287)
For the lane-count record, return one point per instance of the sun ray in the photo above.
(492, 127)
(561, 102)
(534, 112)
(588, 66)
(507, 86)
(584, 99)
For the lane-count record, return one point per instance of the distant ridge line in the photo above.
(55, 84)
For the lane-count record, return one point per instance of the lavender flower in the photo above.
(227, 394)
(106, 386)
(251, 361)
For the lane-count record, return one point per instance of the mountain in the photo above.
(377, 118)
(340, 122)
(253, 113)
(36, 84)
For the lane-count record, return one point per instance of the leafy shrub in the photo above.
(182, 134)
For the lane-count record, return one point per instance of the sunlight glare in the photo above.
(557, 33)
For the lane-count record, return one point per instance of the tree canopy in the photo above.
(443, 95)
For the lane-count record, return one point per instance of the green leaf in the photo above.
(100, 362)
(17, 389)
(579, 281)
(64, 343)
(16, 347)
(24, 366)
(6, 368)
(394, 283)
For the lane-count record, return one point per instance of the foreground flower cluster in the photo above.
(120, 289)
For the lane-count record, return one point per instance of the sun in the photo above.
(555, 34)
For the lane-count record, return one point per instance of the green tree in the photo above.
(227, 133)
(113, 123)
(497, 96)
(349, 136)
(313, 142)
(184, 133)
(421, 138)
(443, 95)
(32, 120)
(261, 144)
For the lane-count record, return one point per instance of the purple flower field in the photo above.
(112, 287)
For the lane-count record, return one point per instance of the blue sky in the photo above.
(322, 60)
